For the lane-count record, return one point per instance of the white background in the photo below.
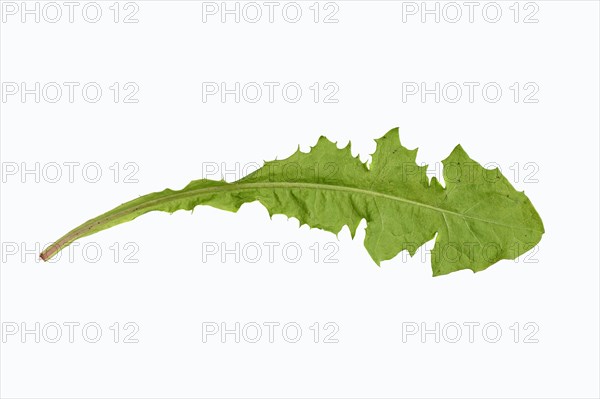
(172, 135)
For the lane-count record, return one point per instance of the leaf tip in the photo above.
(322, 139)
(390, 135)
(394, 131)
(459, 150)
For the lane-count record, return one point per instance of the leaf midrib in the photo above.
(78, 232)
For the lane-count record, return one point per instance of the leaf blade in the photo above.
(327, 188)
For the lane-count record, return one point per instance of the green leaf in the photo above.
(479, 218)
